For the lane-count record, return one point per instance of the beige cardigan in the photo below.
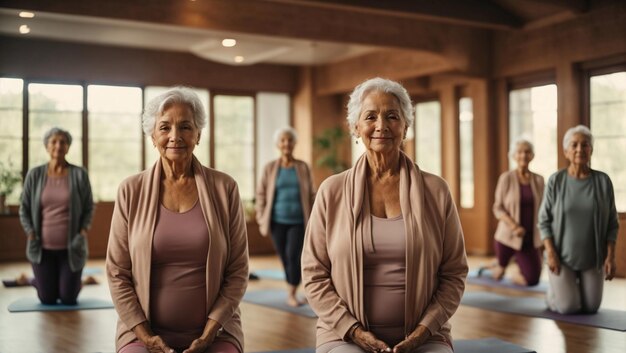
(130, 249)
(267, 187)
(507, 202)
(339, 228)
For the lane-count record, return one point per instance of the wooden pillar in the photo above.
(569, 111)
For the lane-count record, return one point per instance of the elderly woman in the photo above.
(384, 259)
(55, 212)
(177, 259)
(578, 223)
(283, 204)
(517, 199)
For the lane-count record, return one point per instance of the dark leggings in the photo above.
(528, 259)
(288, 241)
(55, 280)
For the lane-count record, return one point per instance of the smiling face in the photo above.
(57, 146)
(523, 155)
(175, 134)
(579, 150)
(286, 144)
(381, 125)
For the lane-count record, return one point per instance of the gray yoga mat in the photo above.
(33, 304)
(272, 273)
(483, 345)
(486, 280)
(276, 299)
(536, 307)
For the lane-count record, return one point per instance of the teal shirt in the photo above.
(287, 207)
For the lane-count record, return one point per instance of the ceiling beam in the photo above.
(576, 6)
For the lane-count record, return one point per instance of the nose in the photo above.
(381, 124)
(174, 134)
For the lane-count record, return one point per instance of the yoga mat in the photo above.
(33, 304)
(486, 280)
(483, 345)
(536, 307)
(276, 299)
(271, 273)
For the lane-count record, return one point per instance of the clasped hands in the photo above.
(155, 344)
(370, 343)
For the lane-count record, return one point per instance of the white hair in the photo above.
(285, 130)
(381, 85)
(518, 141)
(579, 129)
(178, 94)
(57, 131)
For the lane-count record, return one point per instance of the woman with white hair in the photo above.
(284, 197)
(177, 259)
(384, 260)
(578, 223)
(517, 199)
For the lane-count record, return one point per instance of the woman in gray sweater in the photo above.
(578, 223)
(55, 212)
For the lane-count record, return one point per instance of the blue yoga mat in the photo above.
(271, 273)
(486, 280)
(536, 307)
(276, 299)
(483, 345)
(33, 304)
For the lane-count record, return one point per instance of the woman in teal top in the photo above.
(578, 222)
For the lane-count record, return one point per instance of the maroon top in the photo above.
(527, 216)
(55, 213)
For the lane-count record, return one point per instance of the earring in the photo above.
(357, 142)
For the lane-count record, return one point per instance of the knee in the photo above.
(532, 280)
(47, 299)
(568, 307)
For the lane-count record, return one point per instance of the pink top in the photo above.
(384, 275)
(178, 276)
(55, 213)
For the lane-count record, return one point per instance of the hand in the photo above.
(198, 346)
(155, 344)
(609, 268)
(368, 341)
(31, 236)
(83, 232)
(519, 231)
(413, 341)
(554, 264)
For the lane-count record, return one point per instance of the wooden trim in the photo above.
(534, 79)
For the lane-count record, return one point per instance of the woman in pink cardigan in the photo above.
(384, 262)
(177, 259)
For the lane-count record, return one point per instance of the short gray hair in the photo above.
(285, 130)
(178, 94)
(518, 141)
(381, 85)
(579, 129)
(57, 131)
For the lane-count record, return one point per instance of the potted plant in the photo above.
(328, 143)
(9, 179)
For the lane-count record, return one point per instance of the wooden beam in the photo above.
(576, 6)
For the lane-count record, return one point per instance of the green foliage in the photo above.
(9, 178)
(328, 143)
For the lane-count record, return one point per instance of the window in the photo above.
(608, 125)
(11, 98)
(428, 136)
(54, 105)
(114, 137)
(466, 153)
(533, 116)
(234, 140)
(273, 111)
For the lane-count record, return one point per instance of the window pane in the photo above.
(273, 111)
(466, 144)
(202, 150)
(533, 116)
(11, 132)
(234, 140)
(114, 134)
(608, 125)
(428, 136)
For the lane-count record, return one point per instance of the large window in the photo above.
(608, 125)
(234, 140)
(114, 137)
(533, 116)
(428, 136)
(466, 145)
(273, 111)
(11, 132)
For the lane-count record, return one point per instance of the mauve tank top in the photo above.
(55, 212)
(527, 213)
(178, 276)
(384, 276)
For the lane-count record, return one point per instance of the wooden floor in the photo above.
(265, 329)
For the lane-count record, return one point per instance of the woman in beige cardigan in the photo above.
(177, 259)
(284, 198)
(384, 262)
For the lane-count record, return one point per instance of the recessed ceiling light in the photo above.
(238, 59)
(24, 29)
(229, 42)
(26, 14)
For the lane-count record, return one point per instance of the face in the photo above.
(523, 155)
(380, 125)
(175, 133)
(57, 146)
(286, 144)
(579, 150)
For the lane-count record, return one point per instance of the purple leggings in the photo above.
(528, 259)
(55, 280)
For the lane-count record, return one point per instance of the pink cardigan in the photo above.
(267, 187)
(332, 259)
(130, 248)
(507, 202)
